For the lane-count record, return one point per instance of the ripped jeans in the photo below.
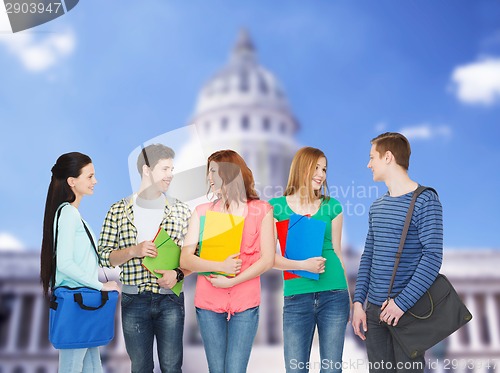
(146, 316)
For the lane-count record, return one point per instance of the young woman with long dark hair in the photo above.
(73, 177)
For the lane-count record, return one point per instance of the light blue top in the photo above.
(77, 263)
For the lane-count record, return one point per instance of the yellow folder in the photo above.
(222, 236)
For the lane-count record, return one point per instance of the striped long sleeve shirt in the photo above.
(422, 253)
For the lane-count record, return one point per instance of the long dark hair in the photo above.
(67, 165)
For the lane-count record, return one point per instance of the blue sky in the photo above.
(111, 74)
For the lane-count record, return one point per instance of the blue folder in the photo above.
(304, 240)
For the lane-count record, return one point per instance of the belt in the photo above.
(134, 289)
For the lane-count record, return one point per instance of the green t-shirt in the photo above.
(334, 277)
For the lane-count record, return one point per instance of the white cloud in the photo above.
(10, 243)
(380, 127)
(426, 131)
(41, 53)
(478, 82)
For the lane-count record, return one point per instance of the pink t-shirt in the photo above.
(247, 294)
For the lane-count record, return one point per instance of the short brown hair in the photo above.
(397, 144)
(152, 154)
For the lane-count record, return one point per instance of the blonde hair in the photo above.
(301, 171)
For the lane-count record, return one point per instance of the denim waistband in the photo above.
(134, 289)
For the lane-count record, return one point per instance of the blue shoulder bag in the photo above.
(80, 317)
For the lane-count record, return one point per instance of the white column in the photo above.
(476, 344)
(492, 312)
(456, 345)
(14, 323)
(36, 327)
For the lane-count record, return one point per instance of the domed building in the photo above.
(243, 108)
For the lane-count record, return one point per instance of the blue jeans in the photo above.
(329, 311)
(385, 354)
(80, 360)
(148, 315)
(228, 343)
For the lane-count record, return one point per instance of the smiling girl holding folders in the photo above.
(323, 303)
(73, 177)
(227, 308)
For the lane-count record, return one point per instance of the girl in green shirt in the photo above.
(308, 303)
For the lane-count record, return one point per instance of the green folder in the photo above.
(200, 244)
(168, 257)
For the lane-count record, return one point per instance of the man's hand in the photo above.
(168, 279)
(231, 265)
(314, 265)
(359, 319)
(145, 248)
(390, 312)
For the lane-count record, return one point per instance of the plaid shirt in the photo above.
(119, 232)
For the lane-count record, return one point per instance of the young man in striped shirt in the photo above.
(420, 261)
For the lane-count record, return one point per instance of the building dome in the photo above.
(243, 84)
(243, 108)
(242, 81)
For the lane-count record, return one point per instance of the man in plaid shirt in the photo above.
(149, 307)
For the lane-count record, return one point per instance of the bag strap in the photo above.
(95, 249)
(406, 227)
(54, 256)
(78, 298)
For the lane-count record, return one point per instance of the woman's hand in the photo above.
(110, 286)
(314, 265)
(219, 281)
(231, 265)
